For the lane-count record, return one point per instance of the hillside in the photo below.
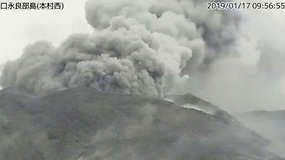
(84, 124)
(270, 124)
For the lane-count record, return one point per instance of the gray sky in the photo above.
(20, 28)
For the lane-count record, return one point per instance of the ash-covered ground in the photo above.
(85, 124)
(269, 124)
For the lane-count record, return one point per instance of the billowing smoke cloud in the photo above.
(252, 79)
(138, 47)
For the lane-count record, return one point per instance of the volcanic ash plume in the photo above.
(138, 47)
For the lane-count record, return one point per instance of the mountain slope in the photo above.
(84, 124)
(269, 124)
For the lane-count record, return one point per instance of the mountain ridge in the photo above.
(83, 124)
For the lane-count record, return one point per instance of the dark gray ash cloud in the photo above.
(138, 47)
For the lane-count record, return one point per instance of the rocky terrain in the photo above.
(84, 124)
(269, 124)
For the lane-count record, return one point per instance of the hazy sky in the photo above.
(19, 28)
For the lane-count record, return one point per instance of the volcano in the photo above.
(85, 124)
(269, 124)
